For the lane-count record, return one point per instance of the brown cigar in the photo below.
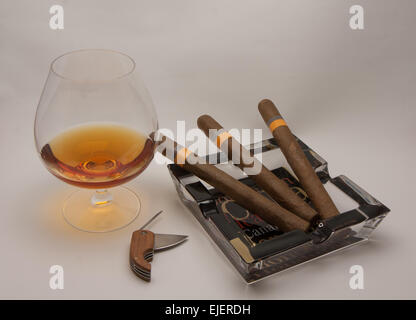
(275, 187)
(253, 201)
(297, 160)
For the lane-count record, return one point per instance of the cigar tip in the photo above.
(202, 119)
(204, 116)
(267, 109)
(264, 103)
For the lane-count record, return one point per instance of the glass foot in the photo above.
(101, 210)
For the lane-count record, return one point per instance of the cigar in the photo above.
(297, 160)
(276, 188)
(242, 194)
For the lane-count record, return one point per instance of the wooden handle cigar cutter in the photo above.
(143, 245)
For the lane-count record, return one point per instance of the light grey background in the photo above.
(349, 94)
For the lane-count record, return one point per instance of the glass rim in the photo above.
(60, 75)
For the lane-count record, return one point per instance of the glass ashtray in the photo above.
(257, 249)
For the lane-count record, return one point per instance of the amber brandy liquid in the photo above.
(98, 155)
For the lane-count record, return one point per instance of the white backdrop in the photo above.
(349, 94)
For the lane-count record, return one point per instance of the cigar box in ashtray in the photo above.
(257, 249)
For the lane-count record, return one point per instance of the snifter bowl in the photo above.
(94, 129)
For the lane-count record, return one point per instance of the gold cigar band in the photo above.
(276, 124)
(223, 136)
(181, 156)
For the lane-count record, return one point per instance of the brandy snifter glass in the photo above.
(94, 129)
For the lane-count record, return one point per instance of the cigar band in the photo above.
(275, 123)
(222, 136)
(181, 156)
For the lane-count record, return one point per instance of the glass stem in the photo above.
(101, 197)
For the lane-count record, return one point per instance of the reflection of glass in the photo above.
(94, 129)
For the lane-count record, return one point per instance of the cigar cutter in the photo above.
(143, 245)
